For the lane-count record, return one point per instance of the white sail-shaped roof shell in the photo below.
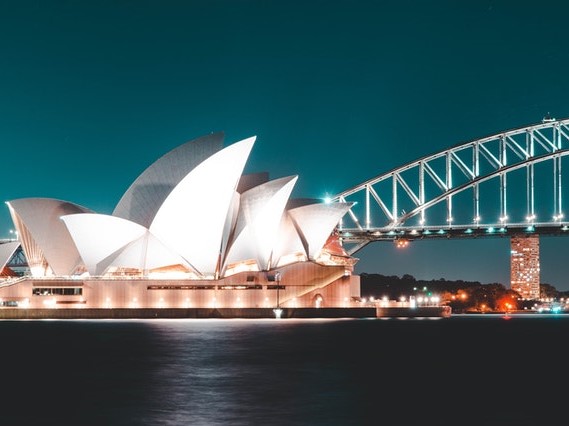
(99, 236)
(192, 219)
(106, 241)
(260, 213)
(156, 254)
(147, 193)
(230, 224)
(315, 223)
(145, 253)
(7, 250)
(289, 244)
(245, 182)
(46, 242)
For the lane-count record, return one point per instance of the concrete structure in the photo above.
(524, 269)
(305, 284)
(191, 232)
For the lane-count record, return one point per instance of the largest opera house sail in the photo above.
(191, 231)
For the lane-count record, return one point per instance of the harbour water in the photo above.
(475, 369)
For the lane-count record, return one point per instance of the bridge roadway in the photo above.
(353, 236)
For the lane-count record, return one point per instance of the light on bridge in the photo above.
(503, 219)
(531, 218)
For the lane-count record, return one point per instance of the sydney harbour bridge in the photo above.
(506, 184)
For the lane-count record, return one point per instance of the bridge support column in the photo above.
(524, 265)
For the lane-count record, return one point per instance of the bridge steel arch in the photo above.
(504, 184)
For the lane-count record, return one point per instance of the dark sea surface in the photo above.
(480, 370)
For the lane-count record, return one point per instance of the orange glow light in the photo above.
(401, 243)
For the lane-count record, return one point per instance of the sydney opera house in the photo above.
(192, 231)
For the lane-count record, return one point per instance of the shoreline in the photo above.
(234, 313)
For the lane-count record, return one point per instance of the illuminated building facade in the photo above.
(191, 231)
(524, 266)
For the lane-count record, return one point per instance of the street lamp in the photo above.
(278, 311)
(278, 281)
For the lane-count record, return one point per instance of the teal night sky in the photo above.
(337, 92)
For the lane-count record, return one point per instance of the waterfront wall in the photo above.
(422, 311)
(153, 313)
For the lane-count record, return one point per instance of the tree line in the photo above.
(462, 296)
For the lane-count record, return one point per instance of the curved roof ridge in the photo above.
(45, 239)
(143, 198)
(315, 223)
(106, 241)
(192, 218)
(257, 228)
(98, 235)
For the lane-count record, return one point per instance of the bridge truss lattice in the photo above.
(502, 184)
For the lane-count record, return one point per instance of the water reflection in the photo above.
(276, 372)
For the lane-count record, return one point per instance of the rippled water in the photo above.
(484, 370)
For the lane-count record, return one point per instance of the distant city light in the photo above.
(401, 242)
